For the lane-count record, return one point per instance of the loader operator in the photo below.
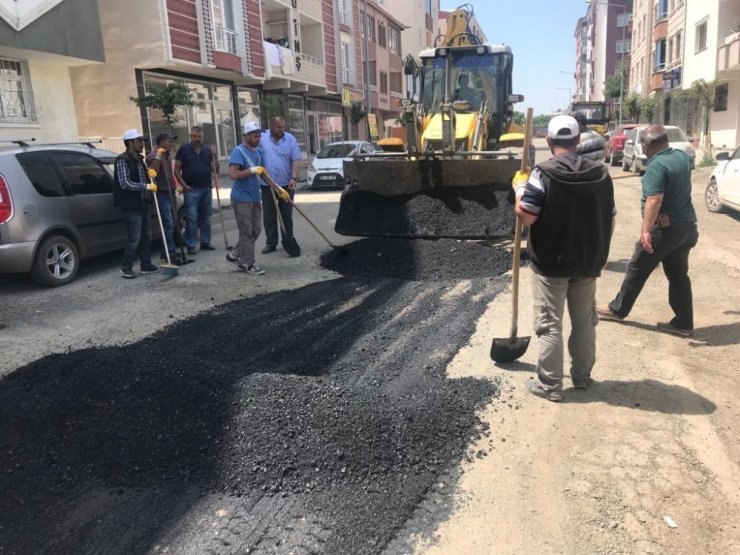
(465, 92)
(568, 203)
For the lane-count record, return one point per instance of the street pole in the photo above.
(368, 107)
(570, 94)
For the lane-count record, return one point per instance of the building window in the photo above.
(345, 12)
(368, 26)
(661, 10)
(623, 46)
(348, 60)
(428, 7)
(669, 51)
(720, 97)
(394, 40)
(383, 82)
(701, 35)
(678, 45)
(623, 19)
(381, 35)
(372, 74)
(16, 95)
(659, 62)
(396, 82)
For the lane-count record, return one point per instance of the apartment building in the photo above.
(244, 59)
(712, 53)
(672, 108)
(39, 42)
(420, 32)
(383, 64)
(603, 40)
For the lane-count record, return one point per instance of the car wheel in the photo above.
(711, 197)
(57, 261)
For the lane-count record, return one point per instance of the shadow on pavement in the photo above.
(617, 266)
(647, 395)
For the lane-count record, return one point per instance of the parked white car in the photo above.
(633, 159)
(327, 168)
(723, 189)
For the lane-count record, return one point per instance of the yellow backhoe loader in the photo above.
(452, 178)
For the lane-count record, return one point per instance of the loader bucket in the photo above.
(428, 198)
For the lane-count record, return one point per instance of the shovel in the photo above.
(221, 214)
(290, 245)
(510, 348)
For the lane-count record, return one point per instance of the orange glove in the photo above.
(152, 173)
(161, 152)
(152, 187)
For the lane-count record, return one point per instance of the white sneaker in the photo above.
(256, 270)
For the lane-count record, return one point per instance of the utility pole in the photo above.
(368, 107)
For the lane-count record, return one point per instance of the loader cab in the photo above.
(470, 77)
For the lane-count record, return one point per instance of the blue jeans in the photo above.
(168, 220)
(138, 237)
(198, 208)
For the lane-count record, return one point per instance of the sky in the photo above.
(541, 36)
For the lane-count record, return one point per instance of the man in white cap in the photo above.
(132, 193)
(568, 203)
(246, 164)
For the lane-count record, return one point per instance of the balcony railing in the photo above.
(224, 40)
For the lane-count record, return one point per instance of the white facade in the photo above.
(414, 14)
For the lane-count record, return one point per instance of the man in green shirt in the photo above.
(667, 235)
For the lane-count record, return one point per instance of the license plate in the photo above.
(326, 178)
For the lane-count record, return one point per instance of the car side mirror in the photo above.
(690, 139)
(723, 156)
(514, 98)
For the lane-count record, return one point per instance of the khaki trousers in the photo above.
(249, 221)
(550, 296)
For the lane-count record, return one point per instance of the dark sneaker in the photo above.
(148, 268)
(191, 250)
(670, 328)
(605, 313)
(207, 247)
(235, 261)
(582, 383)
(256, 270)
(535, 388)
(127, 272)
(268, 249)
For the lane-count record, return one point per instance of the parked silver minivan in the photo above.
(56, 208)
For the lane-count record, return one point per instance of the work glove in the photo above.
(161, 152)
(282, 194)
(519, 182)
(152, 173)
(151, 187)
(257, 170)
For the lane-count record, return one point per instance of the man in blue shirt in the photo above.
(281, 161)
(195, 163)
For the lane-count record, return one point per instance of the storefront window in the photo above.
(324, 123)
(214, 112)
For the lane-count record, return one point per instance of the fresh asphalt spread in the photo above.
(316, 420)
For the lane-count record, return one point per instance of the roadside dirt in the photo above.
(655, 437)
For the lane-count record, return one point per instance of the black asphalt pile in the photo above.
(320, 417)
(464, 212)
(418, 259)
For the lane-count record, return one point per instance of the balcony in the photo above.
(728, 55)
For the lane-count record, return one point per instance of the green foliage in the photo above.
(356, 113)
(272, 104)
(648, 106)
(632, 106)
(704, 92)
(167, 100)
(542, 119)
(707, 159)
(519, 118)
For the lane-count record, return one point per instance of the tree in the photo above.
(167, 100)
(519, 118)
(704, 93)
(542, 119)
(614, 83)
(648, 106)
(632, 106)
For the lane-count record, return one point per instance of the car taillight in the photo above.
(6, 203)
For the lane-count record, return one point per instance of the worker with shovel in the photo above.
(246, 165)
(568, 204)
(159, 160)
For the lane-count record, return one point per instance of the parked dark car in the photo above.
(56, 208)
(614, 147)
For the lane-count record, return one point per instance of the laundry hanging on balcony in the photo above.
(280, 60)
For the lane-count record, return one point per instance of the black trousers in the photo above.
(270, 219)
(671, 247)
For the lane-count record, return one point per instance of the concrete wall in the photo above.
(54, 104)
(725, 126)
(134, 38)
(71, 28)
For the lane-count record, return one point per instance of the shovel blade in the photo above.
(508, 349)
(292, 247)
